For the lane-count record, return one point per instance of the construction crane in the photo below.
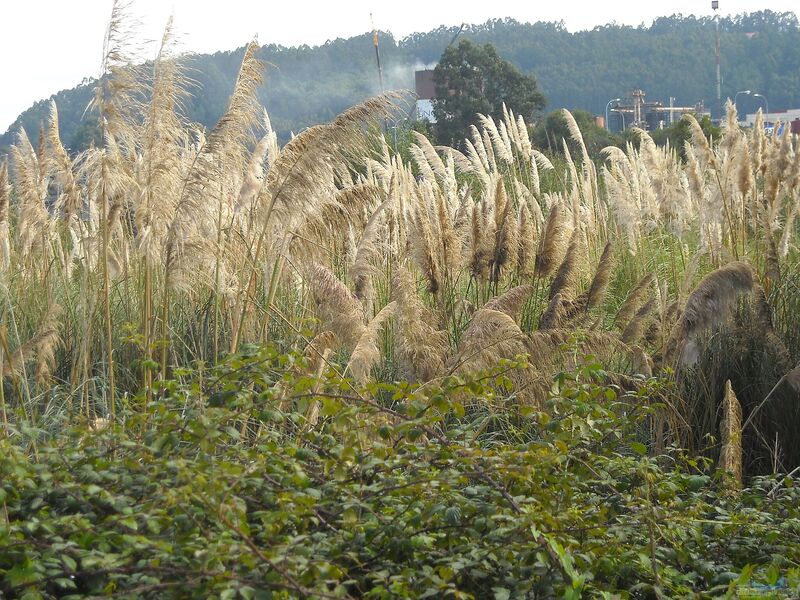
(458, 33)
(377, 50)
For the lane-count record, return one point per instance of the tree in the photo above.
(550, 132)
(472, 79)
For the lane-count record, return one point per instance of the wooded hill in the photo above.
(674, 56)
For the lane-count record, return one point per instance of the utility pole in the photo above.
(715, 8)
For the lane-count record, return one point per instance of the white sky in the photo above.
(49, 45)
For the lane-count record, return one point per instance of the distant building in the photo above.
(634, 111)
(426, 92)
(791, 116)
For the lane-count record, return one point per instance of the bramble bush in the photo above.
(253, 480)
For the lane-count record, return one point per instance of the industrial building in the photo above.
(635, 111)
(789, 117)
(426, 92)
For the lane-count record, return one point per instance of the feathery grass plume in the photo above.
(641, 363)
(506, 248)
(731, 131)
(49, 334)
(338, 309)
(449, 238)
(119, 88)
(502, 150)
(634, 300)
(478, 166)
(506, 136)
(160, 177)
(788, 233)
(490, 153)
(225, 148)
(461, 162)
(522, 132)
(771, 256)
(542, 160)
(777, 166)
(636, 327)
(758, 140)
(41, 347)
(5, 196)
(793, 378)
(577, 137)
(700, 141)
(602, 276)
(552, 316)
(293, 188)
(512, 301)
(363, 268)
(33, 221)
(526, 254)
(316, 348)
(491, 335)
(557, 349)
(263, 155)
(427, 154)
(479, 255)
(550, 242)
(709, 305)
(772, 341)
(565, 278)
(69, 198)
(744, 176)
(419, 347)
(366, 353)
(422, 249)
(482, 163)
(793, 177)
(730, 456)
(425, 170)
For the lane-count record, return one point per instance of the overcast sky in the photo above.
(49, 45)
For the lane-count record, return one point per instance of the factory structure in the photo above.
(622, 113)
(635, 111)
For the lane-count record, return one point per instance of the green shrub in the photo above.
(221, 488)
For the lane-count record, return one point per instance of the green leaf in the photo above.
(639, 448)
(501, 593)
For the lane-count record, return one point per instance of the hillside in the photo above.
(671, 57)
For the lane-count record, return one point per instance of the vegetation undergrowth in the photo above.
(253, 480)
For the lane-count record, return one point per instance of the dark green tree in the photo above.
(472, 79)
